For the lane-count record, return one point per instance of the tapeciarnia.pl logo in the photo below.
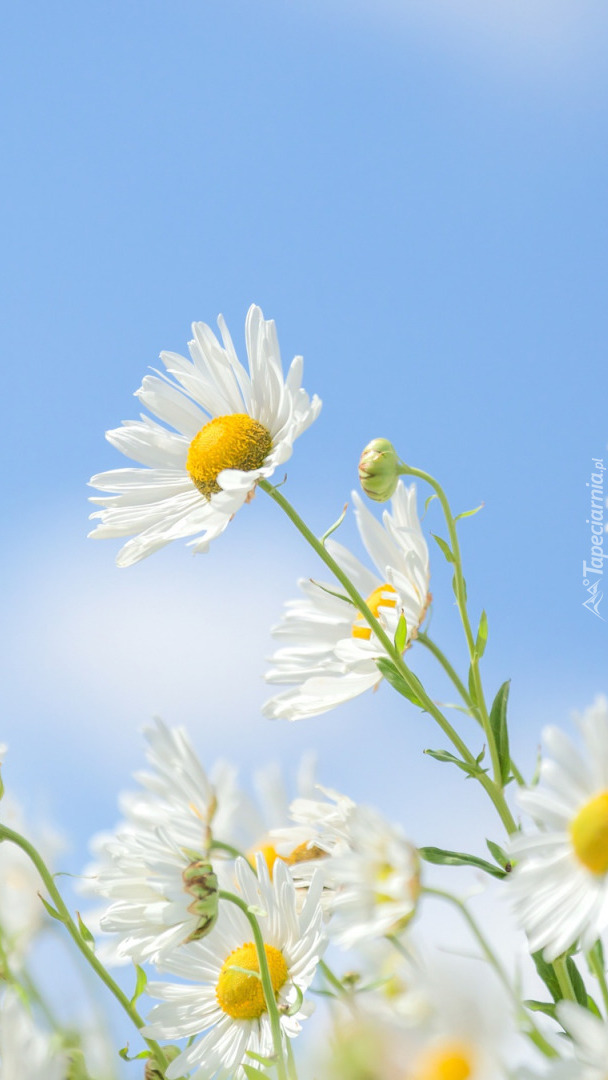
(593, 571)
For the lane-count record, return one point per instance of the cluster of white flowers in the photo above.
(251, 909)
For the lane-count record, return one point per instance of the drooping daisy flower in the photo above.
(223, 1009)
(560, 882)
(226, 429)
(150, 867)
(26, 1053)
(371, 871)
(331, 652)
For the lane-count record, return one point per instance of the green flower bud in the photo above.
(152, 1070)
(379, 470)
(202, 884)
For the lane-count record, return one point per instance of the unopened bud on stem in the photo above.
(379, 470)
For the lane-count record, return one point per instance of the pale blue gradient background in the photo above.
(417, 194)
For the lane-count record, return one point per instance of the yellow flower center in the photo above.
(451, 1061)
(377, 599)
(589, 833)
(269, 852)
(239, 989)
(236, 441)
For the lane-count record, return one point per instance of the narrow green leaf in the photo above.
(450, 759)
(500, 855)
(51, 910)
(331, 592)
(548, 975)
(401, 634)
(547, 1007)
(482, 635)
(578, 985)
(85, 933)
(396, 680)
(251, 1073)
(429, 500)
(445, 547)
(469, 513)
(140, 984)
(498, 724)
(336, 525)
(471, 683)
(124, 1054)
(458, 858)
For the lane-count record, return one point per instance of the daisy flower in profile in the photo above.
(370, 870)
(150, 868)
(223, 1011)
(330, 652)
(222, 429)
(560, 882)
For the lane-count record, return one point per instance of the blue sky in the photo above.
(416, 193)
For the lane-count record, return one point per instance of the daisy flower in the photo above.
(560, 882)
(222, 429)
(148, 868)
(371, 871)
(223, 1009)
(331, 652)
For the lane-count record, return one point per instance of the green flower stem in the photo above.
(64, 917)
(461, 600)
(560, 968)
(597, 968)
(433, 648)
(219, 845)
(531, 1030)
(493, 789)
(269, 995)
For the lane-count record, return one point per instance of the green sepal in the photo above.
(401, 634)
(51, 910)
(482, 635)
(398, 683)
(85, 933)
(445, 547)
(547, 1007)
(141, 982)
(500, 855)
(458, 858)
(499, 728)
(469, 513)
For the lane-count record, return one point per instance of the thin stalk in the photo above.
(460, 591)
(332, 979)
(560, 968)
(64, 917)
(494, 790)
(269, 995)
(219, 845)
(433, 648)
(531, 1031)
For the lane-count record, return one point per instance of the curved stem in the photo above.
(532, 1031)
(63, 915)
(234, 853)
(269, 995)
(595, 963)
(494, 790)
(461, 600)
(433, 648)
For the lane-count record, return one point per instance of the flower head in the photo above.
(222, 429)
(223, 1010)
(331, 651)
(560, 882)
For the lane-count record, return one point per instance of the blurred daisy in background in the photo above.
(560, 882)
(226, 428)
(222, 1010)
(26, 1052)
(331, 652)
